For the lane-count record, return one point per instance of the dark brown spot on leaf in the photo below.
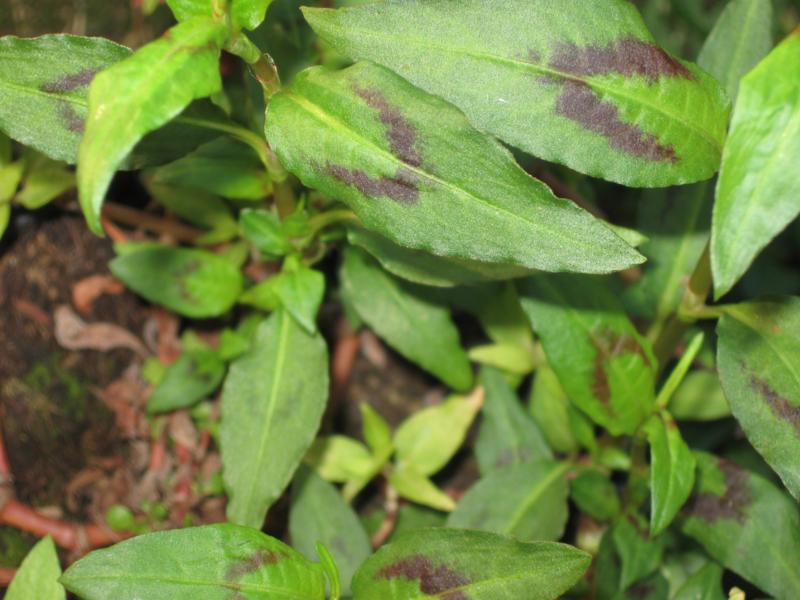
(729, 506)
(253, 563)
(610, 344)
(402, 187)
(69, 83)
(402, 135)
(432, 579)
(629, 57)
(579, 103)
(71, 119)
(780, 406)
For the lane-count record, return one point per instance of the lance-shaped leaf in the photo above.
(272, 403)
(43, 88)
(579, 83)
(37, 576)
(215, 562)
(458, 564)
(759, 365)
(528, 501)
(747, 525)
(249, 13)
(672, 468)
(191, 282)
(414, 170)
(758, 188)
(640, 555)
(420, 330)
(604, 365)
(139, 95)
(424, 268)
(741, 37)
(508, 435)
(320, 514)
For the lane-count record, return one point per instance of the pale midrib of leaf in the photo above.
(674, 278)
(72, 99)
(534, 495)
(283, 340)
(248, 587)
(743, 224)
(328, 119)
(614, 91)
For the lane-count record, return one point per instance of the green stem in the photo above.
(679, 372)
(319, 222)
(255, 141)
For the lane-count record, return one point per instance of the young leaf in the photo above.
(507, 436)
(43, 88)
(428, 269)
(757, 190)
(301, 290)
(442, 563)
(757, 358)
(672, 467)
(415, 327)
(224, 167)
(339, 458)
(606, 368)
(45, 180)
(428, 439)
(37, 576)
(579, 83)
(375, 430)
(741, 37)
(550, 408)
(746, 524)
(214, 562)
(139, 95)
(415, 486)
(385, 148)
(189, 379)
(188, 9)
(191, 282)
(320, 514)
(595, 494)
(249, 13)
(272, 403)
(528, 501)
(263, 229)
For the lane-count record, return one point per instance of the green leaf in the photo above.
(418, 329)
(672, 468)
(747, 525)
(37, 576)
(191, 282)
(43, 88)
(741, 37)
(139, 95)
(319, 514)
(606, 368)
(204, 210)
(414, 486)
(429, 563)
(301, 290)
(339, 458)
(550, 408)
(758, 354)
(705, 584)
(262, 228)
(272, 403)
(677, 224)
(189, 9)
(214, 562)
(640, 554)
(528, 501)
(224, 167)
(595, 494)
(375, 429)
(578, 83)
(195, 375)
(428, 269)
(385, 148)
(757, 188)
(507, 436)
(506, 357)
(249, 13)
(429, 438)
(699, 398)
(45, 180)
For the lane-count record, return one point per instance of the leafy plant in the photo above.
(397, 145)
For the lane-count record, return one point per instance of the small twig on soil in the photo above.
(345, 351)
(132, 217)
(391, 505)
